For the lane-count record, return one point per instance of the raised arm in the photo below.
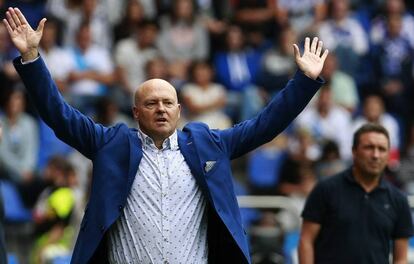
(69, 124)
(284, 107)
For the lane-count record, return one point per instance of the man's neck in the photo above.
(367, 181)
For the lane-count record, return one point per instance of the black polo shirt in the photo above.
(356, 227)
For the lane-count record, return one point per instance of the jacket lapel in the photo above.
(135, 156)
(189, 151)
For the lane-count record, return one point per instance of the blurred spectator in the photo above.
(374, 112)
(255, 15)
(296, 174)
(300, 184)
(326, 120)
(237, 68)
(278, 64)
(53, 212)
(264, 166)
(203, 99)
(392, 8)
(3, 254)
(156, 68)
(267, 240)
(345, 35)
(75, 12)
(19, 146)
(57, 59)
(216, 15)
(49, 145)
(108, 114)
(344, 88)
(7, 72)
(405, 172)
(132, 54)
(330, 162)
(302, 15)
(393, 65)
(183, 37)
(133, 16)
(91, 71)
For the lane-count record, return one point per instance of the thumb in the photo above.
(41, 26)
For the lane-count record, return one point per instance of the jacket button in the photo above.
(102, 229)
(120, 207)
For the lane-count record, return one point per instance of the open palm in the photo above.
(21, 33)
(311, 62)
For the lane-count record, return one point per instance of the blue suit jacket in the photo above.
(116, 154)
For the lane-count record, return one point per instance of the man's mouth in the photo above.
(161, 120)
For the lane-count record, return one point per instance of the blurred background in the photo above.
(226, 58)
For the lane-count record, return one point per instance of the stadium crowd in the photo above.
(226, 60)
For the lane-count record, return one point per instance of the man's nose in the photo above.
(161, 107)
(376, 153)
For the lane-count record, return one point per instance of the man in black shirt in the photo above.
(354, 216)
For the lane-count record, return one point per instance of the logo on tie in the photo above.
(209, 165)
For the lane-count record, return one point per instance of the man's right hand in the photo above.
(22, 35)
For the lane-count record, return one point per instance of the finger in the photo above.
(307, 44)
(9, 29)
(15, 17)
(20, 16)
(324, 55)
(10, 20)
(319, 50)
(296, 51)
(41, 25)
(314, 44)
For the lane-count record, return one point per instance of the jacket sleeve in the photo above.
(69, 124)
(273, 119)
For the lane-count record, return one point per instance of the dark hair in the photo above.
(367, 128)
(196, 64)
(148, 23)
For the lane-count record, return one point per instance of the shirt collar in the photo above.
(169, 143)
(350, 177)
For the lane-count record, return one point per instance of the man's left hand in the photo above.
(311, 62)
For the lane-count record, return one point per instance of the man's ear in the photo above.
(135, 112)
(179, 110)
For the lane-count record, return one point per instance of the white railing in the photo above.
(283, 202)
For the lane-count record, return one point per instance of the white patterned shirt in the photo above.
(164, 219)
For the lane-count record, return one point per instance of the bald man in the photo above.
(160, 195)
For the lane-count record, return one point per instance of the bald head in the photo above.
(156, 109)
(151, 85)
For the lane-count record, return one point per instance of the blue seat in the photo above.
(61, 260)
(290, 245)
(14, 210)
